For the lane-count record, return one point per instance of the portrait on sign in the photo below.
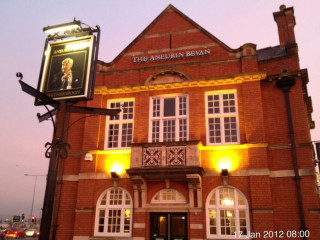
(67, 69)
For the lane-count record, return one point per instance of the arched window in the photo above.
(168, 195)
(227, 214)
(114, 213)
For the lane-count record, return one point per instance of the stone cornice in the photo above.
(289, 173)
(239, 79)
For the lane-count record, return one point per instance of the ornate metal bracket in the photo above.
(57, 145)
(42, 97)
(19, 75)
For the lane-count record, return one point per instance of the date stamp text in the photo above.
(272, 234)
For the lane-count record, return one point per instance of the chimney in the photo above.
(285, 21)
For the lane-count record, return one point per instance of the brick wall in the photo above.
(262, 163)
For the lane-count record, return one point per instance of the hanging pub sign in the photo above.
(68, 69)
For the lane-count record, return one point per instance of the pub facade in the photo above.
(211, 142)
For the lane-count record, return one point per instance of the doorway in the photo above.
(168, 226)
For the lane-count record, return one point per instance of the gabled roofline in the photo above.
(167, 9)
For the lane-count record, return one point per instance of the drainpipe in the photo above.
(285, 84)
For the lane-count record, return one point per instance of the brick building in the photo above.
(211, 141)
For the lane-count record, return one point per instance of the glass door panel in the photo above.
(159, 226)
(178, 226)
(168, 226)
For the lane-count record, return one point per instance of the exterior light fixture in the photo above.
(65, 27)
(114, 175)
(225, 175)
(88, 157)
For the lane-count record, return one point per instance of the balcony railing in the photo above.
(165, 154)
(174, 156)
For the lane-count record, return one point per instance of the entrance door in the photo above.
(168, 226)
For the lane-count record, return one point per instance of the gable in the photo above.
(170, 21)
(171, 32)
(175, 43)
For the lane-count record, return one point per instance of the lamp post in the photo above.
(34, 189)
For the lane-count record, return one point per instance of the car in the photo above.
(15, 233)
(32, 232)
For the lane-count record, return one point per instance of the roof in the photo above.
(271, 52)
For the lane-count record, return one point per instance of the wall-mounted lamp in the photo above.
(114, 175)
(52, 30)
(225, 175)
(88, 157)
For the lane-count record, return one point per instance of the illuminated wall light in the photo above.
(61, 28)
(117, 167)
(114, 175)
(226, 158)
(225, 175)
(224, 163)
(115, 161)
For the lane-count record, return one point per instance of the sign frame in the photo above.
(16, 218)
(53, 79)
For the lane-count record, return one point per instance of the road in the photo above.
(27, 238)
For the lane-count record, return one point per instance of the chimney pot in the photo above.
(282, 7)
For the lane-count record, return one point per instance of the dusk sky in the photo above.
(22, 137)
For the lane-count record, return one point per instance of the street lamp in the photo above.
(34, 189)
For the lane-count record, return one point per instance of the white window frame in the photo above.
(222, 117)
(106, 207)
(175, 194)
(235, 208)
(119, 122)
(176, 118)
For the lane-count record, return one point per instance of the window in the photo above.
(119, 129)
(168, 196)
(114, 213)
(227, 214)
(169, 118)
(222, 118)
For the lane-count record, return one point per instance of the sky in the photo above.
(22, 137)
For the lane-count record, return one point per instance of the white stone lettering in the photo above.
(171, 56)
(140, 59)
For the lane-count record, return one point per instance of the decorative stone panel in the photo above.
(152, 156)
(176, 156)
